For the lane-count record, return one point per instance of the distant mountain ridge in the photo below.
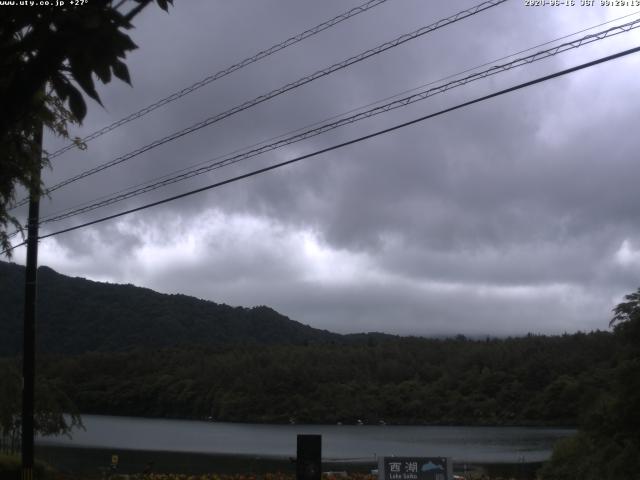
(76, 315)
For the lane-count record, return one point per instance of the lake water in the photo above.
(339, 442)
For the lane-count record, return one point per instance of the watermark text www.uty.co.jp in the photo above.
(43, 3)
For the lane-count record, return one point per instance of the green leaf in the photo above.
(83, 77)
(77, 104)
(121, 71)
(61, 85)
(123, 42)
(104, 72)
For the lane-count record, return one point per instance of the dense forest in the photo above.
(535, 380)
(121, 349)
(124, 350)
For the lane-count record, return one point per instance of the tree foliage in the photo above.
(48, 60)
(54, 412)
(535, 380)
(607, 446)
(139, 352)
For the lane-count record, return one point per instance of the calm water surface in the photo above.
(347, 442)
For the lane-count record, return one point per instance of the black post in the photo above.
(309, 459)
(29, 338)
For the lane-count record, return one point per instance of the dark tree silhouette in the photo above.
(48, 59)
(607, 446)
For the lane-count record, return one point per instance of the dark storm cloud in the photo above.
(502, 218)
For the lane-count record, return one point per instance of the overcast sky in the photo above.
(516, 215)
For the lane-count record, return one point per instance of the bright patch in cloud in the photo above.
(330, 266)
(627, 255)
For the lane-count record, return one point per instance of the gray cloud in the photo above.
(515, 215)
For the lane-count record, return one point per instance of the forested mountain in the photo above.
(121, 349)
(76, 315)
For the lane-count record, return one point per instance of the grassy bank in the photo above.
(94, 462)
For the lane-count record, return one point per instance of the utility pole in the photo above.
(29, 338)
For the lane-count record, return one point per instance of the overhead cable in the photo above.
(402, 102)
(290, 86)
(520, 86)
(223, 73)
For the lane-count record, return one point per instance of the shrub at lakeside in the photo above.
(607, 446)
(10, 468)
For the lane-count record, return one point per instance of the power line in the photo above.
(344, 144)
(308, 126)
(223, 73)
(470, 69)
(274, 93)
(193, 171)
(403, 102)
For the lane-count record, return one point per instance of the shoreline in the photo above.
(523, 424)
